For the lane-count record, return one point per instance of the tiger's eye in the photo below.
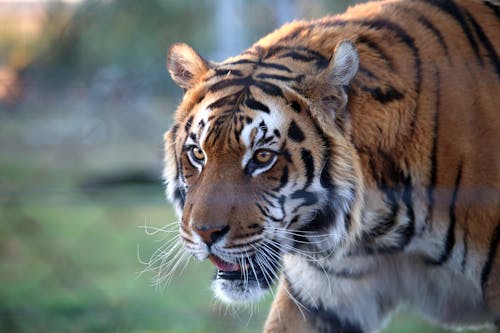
(197, 154)
(263, 156)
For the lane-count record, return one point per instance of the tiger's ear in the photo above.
(326, 91)
(185, 65)
(342, 68)
(344, 63)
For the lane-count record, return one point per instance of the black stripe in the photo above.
(450, 8)
(409, 230)
(240, 62)
(297, 56)
(326, 320)
(495, 239)
(255, 105)
(323, 218)
(428, 24)
(279, 77)
(263, 210)
(275, 66)
(466, 248)
(433, 167)
(224, 72)
(320, 61)
(296, 106)
(449, 241)
(308, 197)
(305, 52)
(269, 88)
(348, 220)
(295, 133)
(390, 94)
(188, 124)
(323, 319)
(375, 47)
(308, 161)
(283, 179)
(325, 179)
(367, 72)
(387, 222)
(492, 54)
(294, 33)
(494, 7)
(224, 101)
(247, 81)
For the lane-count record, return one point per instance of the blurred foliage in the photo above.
(129, 35)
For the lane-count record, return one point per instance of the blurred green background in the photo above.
(84, 101)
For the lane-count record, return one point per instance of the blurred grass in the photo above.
(73, 268)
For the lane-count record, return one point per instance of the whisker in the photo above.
(151, 231)
(164, 250)
(273, 253)
(298, 232)
(314, 242)
(300, 306)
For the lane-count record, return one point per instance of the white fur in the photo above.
(229, 293)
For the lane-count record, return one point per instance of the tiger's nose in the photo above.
(211, 234)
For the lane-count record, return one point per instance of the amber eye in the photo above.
(263, 156)
(197, 154)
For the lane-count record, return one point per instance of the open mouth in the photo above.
(249, 270)
(248, 278)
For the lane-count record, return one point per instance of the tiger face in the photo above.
(259, 163)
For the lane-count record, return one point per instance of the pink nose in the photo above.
(211, 234)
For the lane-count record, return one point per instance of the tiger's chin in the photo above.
(245, 284)
(237, 291)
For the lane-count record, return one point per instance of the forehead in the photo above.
(242, 125)
(243, 97)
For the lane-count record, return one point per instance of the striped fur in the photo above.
(359, 155)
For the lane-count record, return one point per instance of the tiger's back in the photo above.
(411, 144)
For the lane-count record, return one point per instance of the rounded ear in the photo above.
(344, 63)
(326, 91)
(185, 65)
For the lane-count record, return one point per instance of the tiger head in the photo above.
(259, 162)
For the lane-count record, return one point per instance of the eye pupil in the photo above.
(198, 154)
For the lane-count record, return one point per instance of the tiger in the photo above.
(351, 160)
